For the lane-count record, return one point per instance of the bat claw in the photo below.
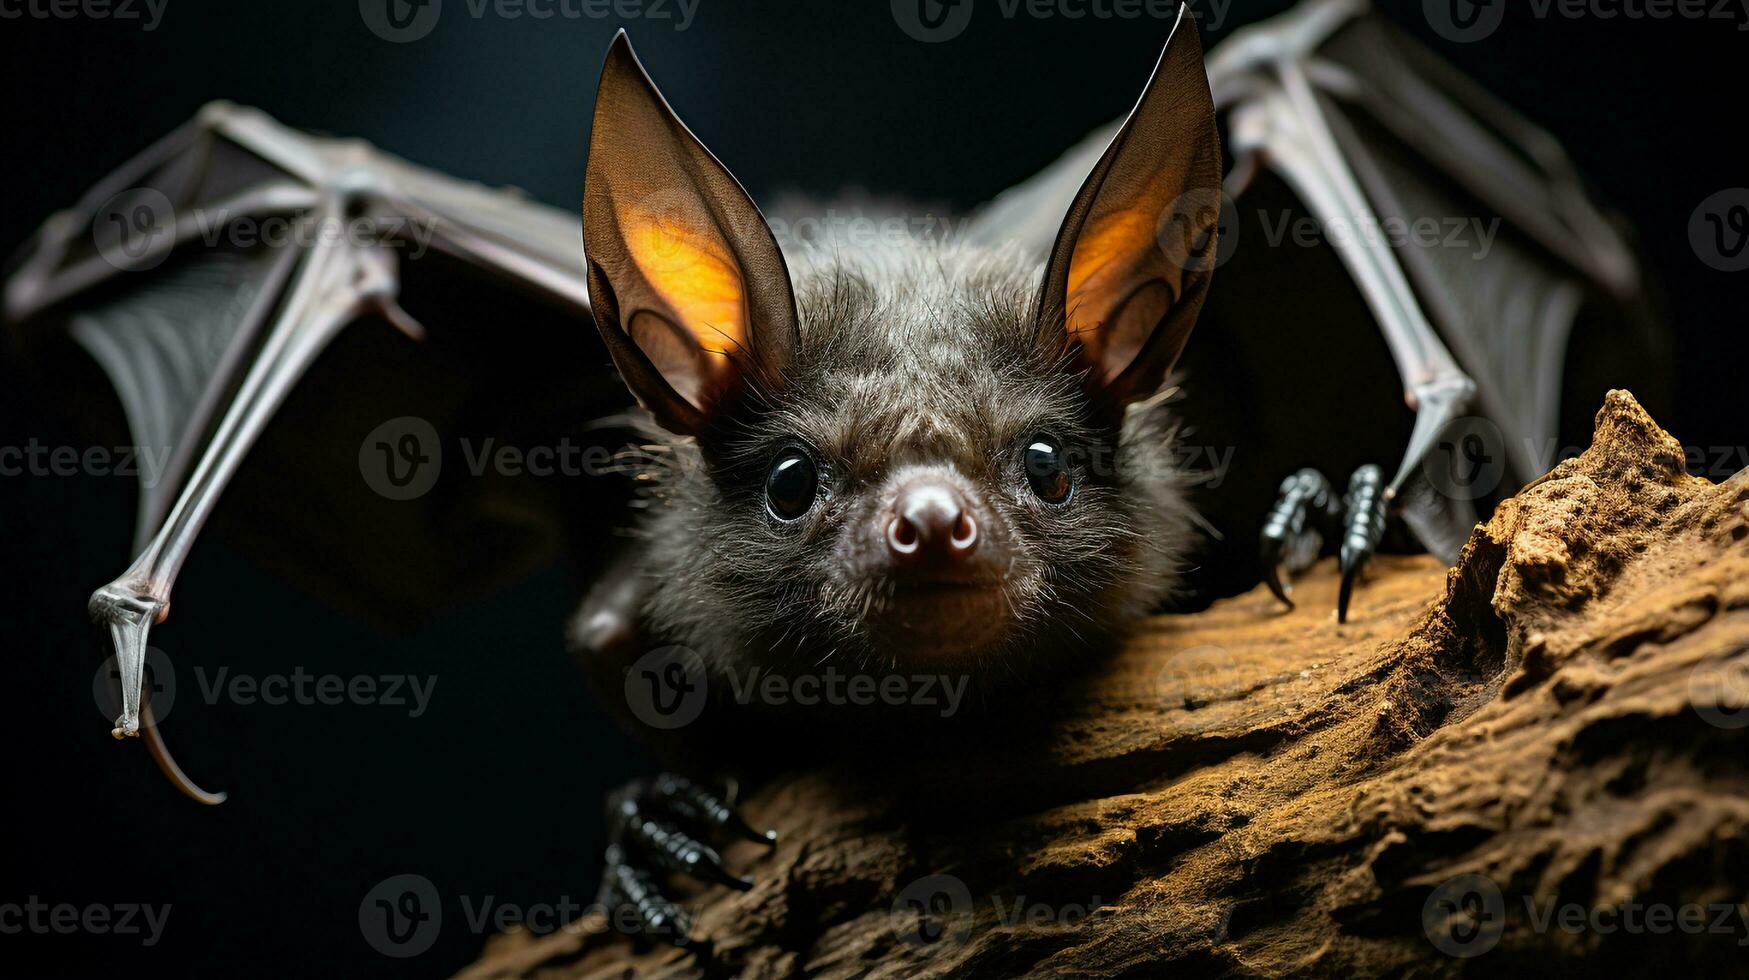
(1275, 576)
(1294, 531)
(128, 613)
(766, 837)
(624, 884)
(1349, 574)
(401, 320)
(658, 824)
(1307, 514)
(1363, 526)
(167, 763)
(703, 807)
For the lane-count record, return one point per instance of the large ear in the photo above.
(1134, 256)
(687, 283)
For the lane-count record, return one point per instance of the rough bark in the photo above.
(1253, 791)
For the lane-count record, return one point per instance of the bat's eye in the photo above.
(1047, 470)
(791, 485)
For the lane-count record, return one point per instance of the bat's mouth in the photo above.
(943, 616)
(945, 584)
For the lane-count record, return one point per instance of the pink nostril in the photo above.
(965, 535)
(931, 518)
(902, 537)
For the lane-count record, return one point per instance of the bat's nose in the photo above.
(931, 520)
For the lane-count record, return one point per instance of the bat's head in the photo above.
(909, 455)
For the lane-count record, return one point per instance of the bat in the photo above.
(892, 458)
(845, 455)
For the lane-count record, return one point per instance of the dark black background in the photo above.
(494, 792)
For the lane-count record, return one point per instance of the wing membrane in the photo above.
(164, 275)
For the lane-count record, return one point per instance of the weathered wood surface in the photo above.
(1252, 791)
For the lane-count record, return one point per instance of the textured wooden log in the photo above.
(1552, 733)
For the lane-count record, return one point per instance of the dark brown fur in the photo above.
(911, 356)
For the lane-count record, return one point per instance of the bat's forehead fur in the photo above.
(921, 355)
(915, 355)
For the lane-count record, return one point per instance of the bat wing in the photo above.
(1505, 299)
(304, 326)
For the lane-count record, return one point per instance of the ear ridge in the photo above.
(689, 288)
(1131, 264)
